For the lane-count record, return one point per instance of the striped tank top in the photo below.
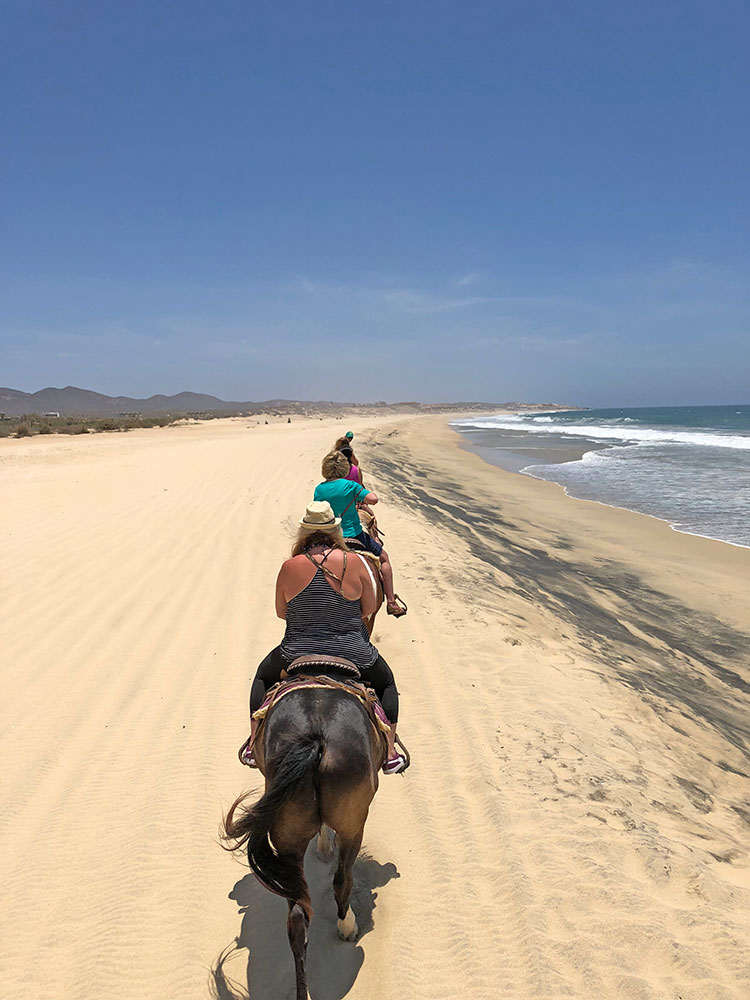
(320, 620)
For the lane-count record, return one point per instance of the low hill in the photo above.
(72, 401)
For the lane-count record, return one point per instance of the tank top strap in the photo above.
(324, 569)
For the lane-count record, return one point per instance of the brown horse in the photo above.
(372, 563)
(320, 755)
(369, 522)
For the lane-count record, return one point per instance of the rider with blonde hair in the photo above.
(323, 594)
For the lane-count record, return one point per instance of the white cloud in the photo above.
(409, 300)
(426, 303)
(468, 279)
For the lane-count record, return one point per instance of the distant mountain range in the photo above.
(72, 401)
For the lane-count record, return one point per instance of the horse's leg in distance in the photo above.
(342, 884)
(324, 847)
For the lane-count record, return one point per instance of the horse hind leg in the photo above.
(290, 837)
(342, 886)
(298, 923)
(297, 926)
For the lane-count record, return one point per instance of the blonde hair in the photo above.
(318, 536)
(335, 466)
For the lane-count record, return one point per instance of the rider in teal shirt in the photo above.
(343, 495)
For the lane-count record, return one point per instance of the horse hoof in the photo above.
(348, 929)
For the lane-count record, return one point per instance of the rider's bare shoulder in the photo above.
(291, 564)
(294, 569)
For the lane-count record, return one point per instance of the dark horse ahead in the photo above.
(320, 755)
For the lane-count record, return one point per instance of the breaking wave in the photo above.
(606, 431)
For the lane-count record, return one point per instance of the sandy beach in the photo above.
(575, 688)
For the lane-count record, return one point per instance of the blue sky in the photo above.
(542, 201)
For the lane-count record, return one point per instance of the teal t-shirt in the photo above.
(340, 493)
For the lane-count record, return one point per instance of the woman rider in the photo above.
(354, 473)
(344, 495)
(345, 446)
(323, 595)
(345, 442)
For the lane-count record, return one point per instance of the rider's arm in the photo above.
(370, 498)
(280, 598)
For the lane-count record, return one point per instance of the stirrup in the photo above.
(246, 755)
(400, 761)
(396, 764)
(400, 608)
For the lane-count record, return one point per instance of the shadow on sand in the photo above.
(332, 964)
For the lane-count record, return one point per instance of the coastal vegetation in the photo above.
(31, 424)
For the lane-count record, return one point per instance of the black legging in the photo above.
(379, 675)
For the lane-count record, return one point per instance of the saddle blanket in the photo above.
(362, 693)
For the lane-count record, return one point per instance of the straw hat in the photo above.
(319, 516)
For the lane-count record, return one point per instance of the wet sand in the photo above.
(575, 693)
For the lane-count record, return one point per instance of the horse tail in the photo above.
(282, 874)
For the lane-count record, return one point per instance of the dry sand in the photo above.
(575, 693)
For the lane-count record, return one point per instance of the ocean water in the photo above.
(688, 465)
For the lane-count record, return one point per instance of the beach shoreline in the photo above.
(687, 466)
(660, 541)
(516, 461)
(575, 695)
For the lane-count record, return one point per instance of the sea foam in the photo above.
(610, 432)
(689, 466)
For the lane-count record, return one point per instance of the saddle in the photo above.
(322, 672)
(354, 545)
(316, 672)
(316, 665)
